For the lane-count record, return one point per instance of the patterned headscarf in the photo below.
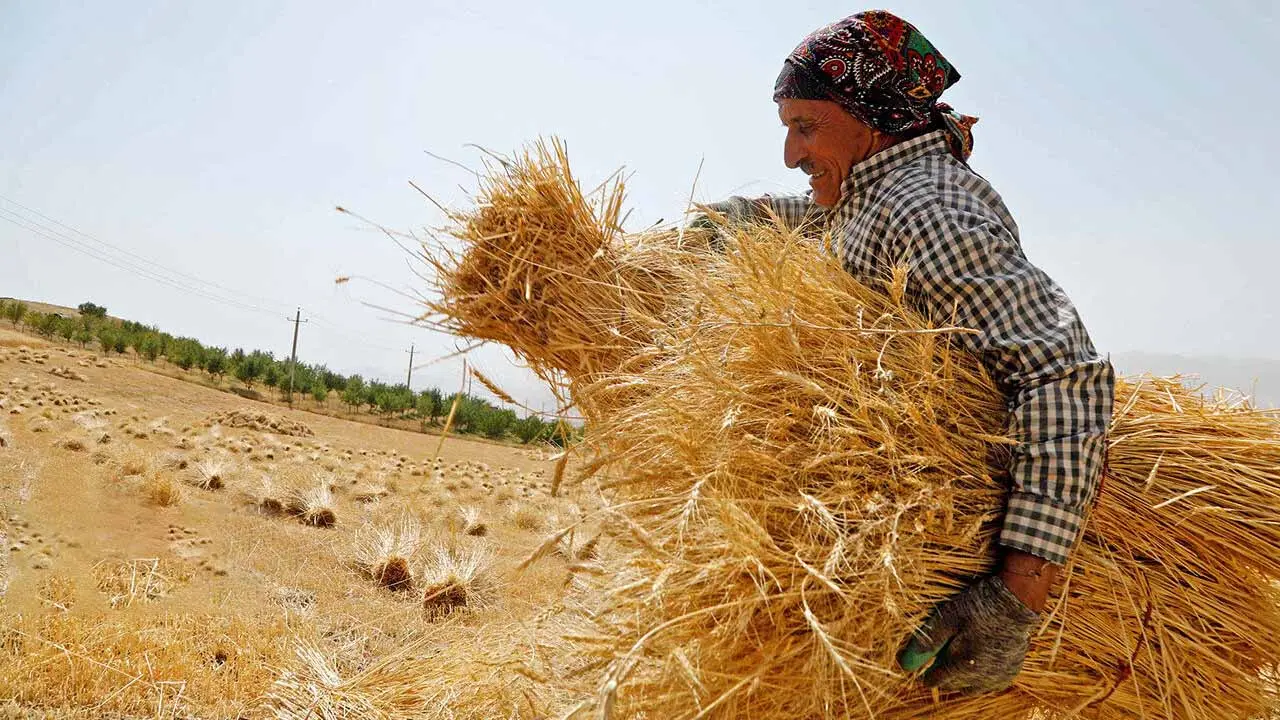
(880, 69)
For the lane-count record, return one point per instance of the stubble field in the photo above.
(173, 551)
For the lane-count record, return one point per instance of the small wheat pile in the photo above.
(211, 473)
(803, 466)
(313, 505)
(454, 578)
(385, 552)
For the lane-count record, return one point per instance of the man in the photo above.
(888, 177)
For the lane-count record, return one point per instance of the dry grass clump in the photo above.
(385, 552)
(162, 489)
(803, 467)
(269, 498)
(528, 517)
(467, 521)
(133, 461)
(72, 443)
(454, 578)
(123, 664)
(313, 505)
(211, 473)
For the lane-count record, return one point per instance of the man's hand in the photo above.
(978, 639)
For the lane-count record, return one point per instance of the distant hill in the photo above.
(40, 307)
(1256, 377)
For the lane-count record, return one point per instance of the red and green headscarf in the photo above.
(883, 71)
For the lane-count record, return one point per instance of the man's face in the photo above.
(825, 141)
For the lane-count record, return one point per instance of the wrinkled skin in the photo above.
(825, 141)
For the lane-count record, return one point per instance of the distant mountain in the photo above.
(1258, 378)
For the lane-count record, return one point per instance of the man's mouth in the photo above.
(815, 176)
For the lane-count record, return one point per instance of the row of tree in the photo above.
(431, 406)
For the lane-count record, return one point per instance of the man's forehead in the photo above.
(799, 110)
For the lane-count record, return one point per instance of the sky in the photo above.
(210, 142)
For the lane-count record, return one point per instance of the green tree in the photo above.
(319, 393)
(529, 429)
(272, 374)
(427, 405)
(14, 312)
(66, 328)
(495, 423)
(150, 346)
(106, 335)
(92, 310)
(215, 362)
(353, 393)
(250, 367)
(46, 324)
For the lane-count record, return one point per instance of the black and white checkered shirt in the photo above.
(914, 204)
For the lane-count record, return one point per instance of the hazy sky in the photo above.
(1134, 143)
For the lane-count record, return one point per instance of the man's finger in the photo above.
(929, 640)
(954, 668)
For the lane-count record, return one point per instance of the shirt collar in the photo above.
(865, 174)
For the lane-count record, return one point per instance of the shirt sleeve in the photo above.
(795, 211)
(968, 269)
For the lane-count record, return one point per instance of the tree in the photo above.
(66, 328)
(186, 353)
(529, 429)
(319, 393)
(272, 374)
(150, 346)
(353, 393)
(250, 367)
(45, 324)
(427, 404)
(106, 335)
(15, 311)
(494, 423)
(215, 362)
(92, 310)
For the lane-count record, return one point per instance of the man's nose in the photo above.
(792, 152)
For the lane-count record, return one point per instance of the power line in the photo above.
(144, 260)
(62, 239)
(131, 262)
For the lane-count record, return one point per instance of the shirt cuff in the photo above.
(1036, 524)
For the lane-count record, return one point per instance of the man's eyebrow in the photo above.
(797, 119)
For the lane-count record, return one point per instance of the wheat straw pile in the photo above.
(802, 467)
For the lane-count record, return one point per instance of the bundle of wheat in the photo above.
(546, 271)
(384, 552)
(808, 473)
(804, 466)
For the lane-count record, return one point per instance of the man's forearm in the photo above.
(1029, 577)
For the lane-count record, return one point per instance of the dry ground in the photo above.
(166, 554)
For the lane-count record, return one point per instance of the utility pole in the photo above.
(293, 354)
(409, 382)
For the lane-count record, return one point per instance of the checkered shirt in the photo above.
(914, 204)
